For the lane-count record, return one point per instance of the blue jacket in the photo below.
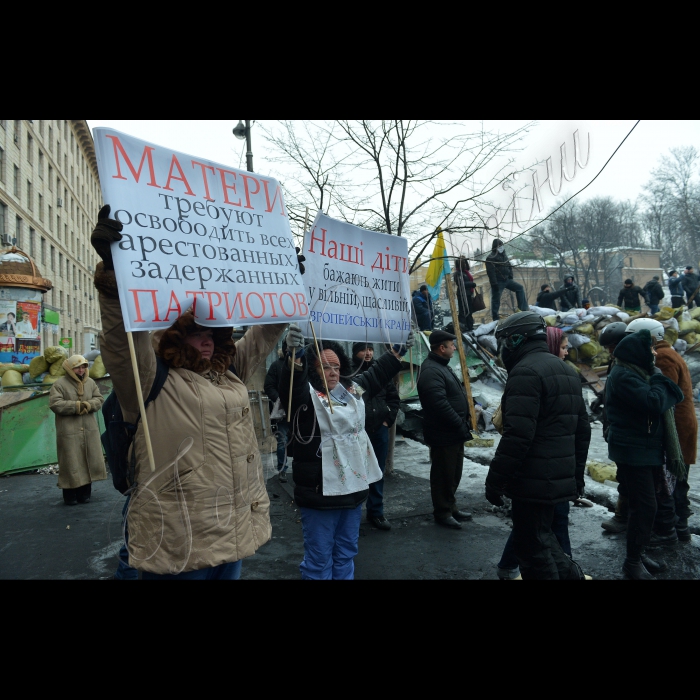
(424, 311)
(635, 407)
(675, 286)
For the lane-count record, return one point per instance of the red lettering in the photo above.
(173, 305)
(294, 306)
(262, 303)
(270, 295)
(147, 154)
(223, 174)
(137, 305)
(211, 306)
(175, 163)
(247, 192)
(301, 302)
(315, 238)
(230, 309)
(204, 168)
(194, 302)
(278, 191)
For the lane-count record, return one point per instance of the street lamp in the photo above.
(242, 131)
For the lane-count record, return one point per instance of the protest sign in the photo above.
(357, 282)
(196, 234)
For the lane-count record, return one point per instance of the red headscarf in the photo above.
(554, 338)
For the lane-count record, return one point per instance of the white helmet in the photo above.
(655, 328)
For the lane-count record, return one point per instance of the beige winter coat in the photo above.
(206, 503)
(80, 457)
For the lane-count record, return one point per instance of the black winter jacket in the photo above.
(446, 419)
(654, 291)
(571, 299)
(498, 267)
(306, 440)
(542, 455)
(634, 406)
(545, 300)
(690, 283)
(272, 381)
(630, 297)
(381, 408)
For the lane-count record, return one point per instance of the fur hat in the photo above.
(177, 353)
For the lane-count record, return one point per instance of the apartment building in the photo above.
(49, 199)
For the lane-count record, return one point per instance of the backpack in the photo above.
(119, 434)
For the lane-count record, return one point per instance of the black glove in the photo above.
(580, 489)
(300, 260)
(104, 234)
(494, 497)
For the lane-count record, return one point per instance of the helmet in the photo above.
(516, 328)
(654, 327)
(612, 334)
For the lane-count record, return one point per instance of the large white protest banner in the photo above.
(357, 282)
(196, 234)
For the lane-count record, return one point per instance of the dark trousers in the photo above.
(680, 496)
(380, 443)
(496, 292)
(560, 528)
(638, 485)
(445, 474)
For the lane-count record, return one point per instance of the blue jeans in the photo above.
(330, 543)
(496, 296)
(125, 572)
(223, 572)
(560, 528)
(654, 308)
(281, 433)
(380, 442)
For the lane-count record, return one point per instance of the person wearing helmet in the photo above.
(640, 441)
(541, 457)
(571, 298)
(75, 398)
(628, 298)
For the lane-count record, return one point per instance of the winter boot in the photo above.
(618, 523)
(576, 573)
(634, 567)
(682, 530)
(70, 497)
(653, 566)
(83, 493)
(668, 539)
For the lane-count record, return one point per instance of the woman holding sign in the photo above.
(205, 507)
(334, 462)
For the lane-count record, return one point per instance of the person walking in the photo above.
(628, 299)
(690, 283)
(541, 457)
(280, 422)
(546, 297)
(500, 274)
(571, 299)
(423, 308)
(205, 508)
(334, 463)
(641, 438)
(465, 286)
(655, 293)
(75, 398)
(381, 411)
(446, 426)
(675, 287)
(507, 568)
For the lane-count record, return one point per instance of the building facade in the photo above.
(49, 199)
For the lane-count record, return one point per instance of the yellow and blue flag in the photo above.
(438, 268)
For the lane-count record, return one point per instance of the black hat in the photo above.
(688, 267)
(543, 287)
(496, 243)
(655, 277)
(629, 281)
(361, 347)
(439, 337)
(672, 272)
(423, 286)
(569, 277)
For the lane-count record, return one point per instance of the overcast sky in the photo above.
(623, 178)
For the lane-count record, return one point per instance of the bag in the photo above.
(119, 434)
(277, 412)
(477, 303)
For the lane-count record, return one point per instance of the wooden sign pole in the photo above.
(139, 395)
(323, 374)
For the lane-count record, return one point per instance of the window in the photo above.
(58, 153)
(43, 251)
(41, 128)
(72, 176)
(2, 165)
(50, 179)
(50, 218)
(65, 130)
(60, 271)
(18, 131)
(16, 182)
(30, 196)
(41, 207)
(3, 123)
(3, 214)
(53, 258)
(41, 164)
(31, 242)
(50, 139)
(30, 149)
(18, 231)
(60, 305)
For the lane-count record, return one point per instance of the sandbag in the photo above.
(550, 320)
(56, 369)
(576, 340)
(589, 350)
(623, 316)
(98, 369)
(664, 313)
(48, 379)
(54, 353)
(671, 323)
(680, 346)
(689, 326)
(695, 313)
(543, 312)
(569, 319)
(670, 336)
(573, 354)
(16, 368)
(684, 315)
(27, 378)
(585, 329)
(691, 338)
(12, 377)
(38, 366)
(485, 328)
(487, 341)
(602, 358)
(603, 310)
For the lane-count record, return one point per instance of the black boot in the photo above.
(70, 497)
(653, 566)
(83, 493)
(633, 567)
(682, 530)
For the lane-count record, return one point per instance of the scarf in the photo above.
(554, 338)
(675, 464)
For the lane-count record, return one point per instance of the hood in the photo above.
(496, 243)
(176, 353)
(635, 349)
(420, 296)
(512, 357)
(71, 363)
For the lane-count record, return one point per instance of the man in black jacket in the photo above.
(381, 410)
(690, 283)
(500, 273)
(541, 457)
(280, 425)
(546, 297)
(446, 425)
(571, 299)
(628, 299)
(655, 293)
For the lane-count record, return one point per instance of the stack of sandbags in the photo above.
(12, 375)
(55, 356)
